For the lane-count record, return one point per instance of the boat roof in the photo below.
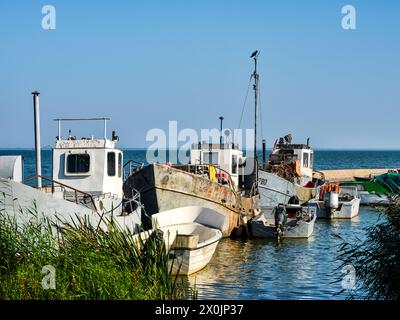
(215, 146)
(292, 146)
(85, 144)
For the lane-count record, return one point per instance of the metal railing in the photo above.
(134, 166)
(75, 191)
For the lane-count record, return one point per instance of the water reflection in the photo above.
(291, 269)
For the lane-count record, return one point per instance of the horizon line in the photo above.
(47, 147)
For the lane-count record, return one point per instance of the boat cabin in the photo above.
(225, 156)
(286, 152)
(92, 165)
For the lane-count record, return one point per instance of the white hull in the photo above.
(275, 190)
(186, 262)
(346, 210)
(372, 199)
(263, 226)
(20, 201)
(191, 235)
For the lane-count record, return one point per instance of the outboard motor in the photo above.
(331, 201)
(294, 200)
(280, 218)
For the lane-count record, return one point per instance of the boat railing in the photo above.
(76, 192)
(199, 168)
(321, 173)
(133, 166)
(136, 199)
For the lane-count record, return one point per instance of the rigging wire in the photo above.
(244, 103)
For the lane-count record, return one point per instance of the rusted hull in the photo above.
(163, 188)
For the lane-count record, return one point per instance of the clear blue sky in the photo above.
(146, 62)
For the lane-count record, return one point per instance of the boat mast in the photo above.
(255, 88)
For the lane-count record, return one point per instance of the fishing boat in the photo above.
(337, 202)
(287, 177)
(86, 181)
(191, 235)
(218, 176)
(284, 221)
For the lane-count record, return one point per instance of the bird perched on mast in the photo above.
(254, 54)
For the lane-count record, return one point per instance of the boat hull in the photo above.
(367, 198)
(186, 262)
(191, 235)
(263, 226)
(26, 204)
(163, 188)
(275, 190)
(346, 210)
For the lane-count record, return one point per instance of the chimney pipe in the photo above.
(221, 118)
(37, 139)
(264, 154)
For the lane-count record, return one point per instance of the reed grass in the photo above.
(376, 260)
(90, 263)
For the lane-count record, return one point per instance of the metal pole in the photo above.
(255, 87)
(105, 129)
(59, 129)
(37, 139)
(220, 137)
(264, 152)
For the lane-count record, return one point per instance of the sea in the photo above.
(305, 269)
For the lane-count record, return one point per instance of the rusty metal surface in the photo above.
(163, 188)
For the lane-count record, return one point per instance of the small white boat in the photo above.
(344, 204)
(191, 235)
(369, 199)
(284, 221)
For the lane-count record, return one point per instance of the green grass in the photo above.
(89, 263)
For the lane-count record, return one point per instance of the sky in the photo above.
(145, 63)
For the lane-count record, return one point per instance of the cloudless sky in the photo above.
(144, 63)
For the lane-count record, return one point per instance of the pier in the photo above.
(343, 175)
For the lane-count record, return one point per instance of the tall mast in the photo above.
(255, 88)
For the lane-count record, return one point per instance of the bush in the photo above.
(377, 259)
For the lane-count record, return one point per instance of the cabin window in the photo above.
(111, 164)
(311, 160)
(234, 164)
(78, 163)
(119, 165)
(305, 160)
(210, 158)
(288, 157)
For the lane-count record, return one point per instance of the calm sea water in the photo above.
(323, 160)
(265, 269)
